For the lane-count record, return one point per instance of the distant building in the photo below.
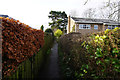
(87, 25)
(4, 16)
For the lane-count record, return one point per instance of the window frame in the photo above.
(84, 26)
(111, 27)
(96, 27)
(80, 26)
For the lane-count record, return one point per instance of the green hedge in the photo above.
(94, 56)
(71, 54)
(103, 52)
(30, 67)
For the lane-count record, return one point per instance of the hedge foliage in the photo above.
(48, 30)
(30, 68)
(93, 56)
(71, 54)
(58, 33)
(103, 52)
(19, 41)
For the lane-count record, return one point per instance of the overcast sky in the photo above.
(35, 12)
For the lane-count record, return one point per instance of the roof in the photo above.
(4, 16)
(98, 21)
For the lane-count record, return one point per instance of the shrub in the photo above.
(19, 42)
(29, 68)
(73, 28)
(91, 56)
(104, 54)
(49, 31)
(42, 28)
(72, 54)
(58, 33)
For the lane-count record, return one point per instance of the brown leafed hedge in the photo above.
(19, 42)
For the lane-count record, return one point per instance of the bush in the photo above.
(91, 56)
(73, 28)
(29, 69)
(103, 52)
(49, 31)
(71, 54)
(42, 28)
(58, 33)
(19, 43)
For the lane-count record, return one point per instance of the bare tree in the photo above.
(89, 13)
(86, 2)
(110, 10)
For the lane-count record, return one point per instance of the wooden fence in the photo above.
(30, 67)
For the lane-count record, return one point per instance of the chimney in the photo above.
(68, 28)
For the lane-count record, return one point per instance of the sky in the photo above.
(35, 12)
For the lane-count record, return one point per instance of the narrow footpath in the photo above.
(51, 67)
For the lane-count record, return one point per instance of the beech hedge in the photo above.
(19, 42)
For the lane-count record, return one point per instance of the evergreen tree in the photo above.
(59, 20)
(42, 27)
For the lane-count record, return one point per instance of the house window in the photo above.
(81, 26)
(111, 27)
(84, 26)
(88, 26)
(116, 26)
(105, 27)
(95, 26)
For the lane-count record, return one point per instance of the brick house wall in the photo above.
(71, 23)
(91, 30)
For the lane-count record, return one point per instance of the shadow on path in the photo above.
(51, 67)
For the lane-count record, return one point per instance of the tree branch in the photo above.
(85, 2)
(114, 12)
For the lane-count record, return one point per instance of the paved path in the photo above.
(51, 67)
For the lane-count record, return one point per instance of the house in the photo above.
(88, 25)
(4, 16)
